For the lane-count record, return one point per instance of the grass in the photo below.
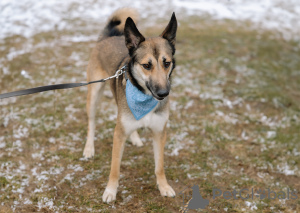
(235, 113)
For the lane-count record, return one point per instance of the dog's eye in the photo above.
(147, 66)
(167, 64)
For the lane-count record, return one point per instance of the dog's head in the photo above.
(152, 59)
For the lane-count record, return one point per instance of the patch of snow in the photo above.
(2, 144)
(46, 203)
(71, 109)
(178, 145)
(38, 155)
(76, 168)
(68, 177)
(285, 169)
(33, 171)
(270, 14)
(189, 176)
(251, 205)
(189, 104)
(51, 140)
(15, 53)
(42, 177)
(76, 136)
(38, 190)
(228, 118)
(17, 145)
(55, 171)
(32, 121)
(173, 105)
(25, 74)
(112, 117)
(228, 103)
(244, 137)
(295, 152)
(7, 101)
(217, 174)
(271, 134)
(127, 199)
(78, 38)
(27, 201)
(211, 93)
(21, 132)
(28, 17)
(176, 150)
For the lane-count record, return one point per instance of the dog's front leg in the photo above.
(117, 152)
(159, 140)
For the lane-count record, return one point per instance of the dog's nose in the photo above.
(162, 93)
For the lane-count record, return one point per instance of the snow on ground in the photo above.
(270, 14)
(28, 17)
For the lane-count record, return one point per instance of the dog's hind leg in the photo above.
(95, 91)
(135, 139)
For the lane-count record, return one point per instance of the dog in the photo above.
(149, 64)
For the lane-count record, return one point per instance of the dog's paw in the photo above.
(88, 152)
(109, 195)
(137, 142)
(135, 139)
(166, 191)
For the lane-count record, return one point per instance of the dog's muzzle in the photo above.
(158, 92)
(162, 93)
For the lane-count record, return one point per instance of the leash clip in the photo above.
(120, 71)
(117, 74)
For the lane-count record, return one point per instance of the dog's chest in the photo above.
(154, 121)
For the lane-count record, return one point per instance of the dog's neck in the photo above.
(131, 77)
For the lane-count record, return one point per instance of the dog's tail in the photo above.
(116, 22)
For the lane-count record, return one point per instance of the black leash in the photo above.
(59, 86)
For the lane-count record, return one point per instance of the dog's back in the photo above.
(110, 49)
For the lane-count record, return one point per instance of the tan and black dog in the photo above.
(150, 62)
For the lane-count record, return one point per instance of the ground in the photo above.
(234, 123)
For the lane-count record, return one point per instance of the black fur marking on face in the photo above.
(156, 53)
(148, 85)
(172, 47)
(173, 67)
(132, 79)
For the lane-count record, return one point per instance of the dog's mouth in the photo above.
(160, 98)
(157, 97)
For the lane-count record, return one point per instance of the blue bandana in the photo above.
(139, 103)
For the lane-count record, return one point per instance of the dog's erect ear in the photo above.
(132, 35)
(170, 32)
